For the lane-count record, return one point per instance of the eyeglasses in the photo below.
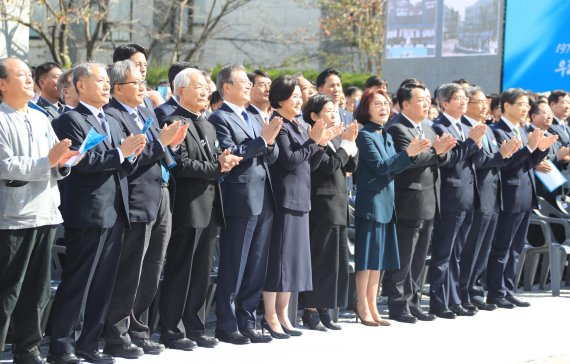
(564, 102)
(242, 82)
(378, 104)
(136, 83)
(522, 104)
(460, 98)
(201, 88)
(480, 102)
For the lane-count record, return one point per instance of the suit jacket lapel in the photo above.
(194, 133)
(91, 119)
(236, 119)
(412, 128)
(451, 127)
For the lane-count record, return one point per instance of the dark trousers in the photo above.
(402, 285)
(138, 275)
(329, 263)
(25, 258)
(449, 236)
(82, 299)
(473, 262)
(244, 246)
(186, 279)
(505, 252)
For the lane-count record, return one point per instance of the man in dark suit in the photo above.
(197, 214)
(459, 195)
(248, 208)
(559, 102)
(519, 197)
(67, 91)
(473, 261)
(145, 242)
(542, 118)
(329, 83)
(259, 104)
(46, 75)
(416, 201)
(95, 209)
(164, 110)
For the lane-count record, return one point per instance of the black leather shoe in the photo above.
(204, 341)
(27, 358)
(517, 302)
(312, 320)
(423, 316)
(470, 307)
(255, 337)
(501, 303)
(65, 358)
(233, 337)
(127, 351)
(149, 346)
(95, 356)
(484, 306)
(405, 318)
(326, 319)
(183, 344)
(446, 314)
(460, 311)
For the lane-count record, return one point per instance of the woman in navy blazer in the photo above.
(300, 152)
(376, 245)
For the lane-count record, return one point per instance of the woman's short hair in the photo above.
(281, 89)
(315, 104)
(362, 113)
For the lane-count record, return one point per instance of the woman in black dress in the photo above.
(328, 219)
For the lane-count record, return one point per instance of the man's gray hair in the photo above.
(472, 90)
(225, 76)
(120, 71)
(182, 79)
(64, 81)
(83, 70)
(446, 91)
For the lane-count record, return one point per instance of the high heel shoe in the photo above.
(274, 334)
(291, 332)
(312, 320)
(364, 322)
(326, 319)
(383, 322)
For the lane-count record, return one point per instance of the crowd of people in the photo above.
(142, 187)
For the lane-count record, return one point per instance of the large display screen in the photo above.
(537, 45)
(439, 41)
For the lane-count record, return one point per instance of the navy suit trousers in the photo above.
(505, 252)
(449, 237)
(244, 247)
(473, 262)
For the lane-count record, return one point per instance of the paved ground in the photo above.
(538, 334)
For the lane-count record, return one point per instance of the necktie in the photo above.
(517, 133)
(247, 121)
(137, 119)
(486, 144)
(420, 132)
(105, 125)
(459, 131)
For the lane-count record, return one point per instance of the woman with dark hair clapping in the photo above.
(300, 152)
(328, 219)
